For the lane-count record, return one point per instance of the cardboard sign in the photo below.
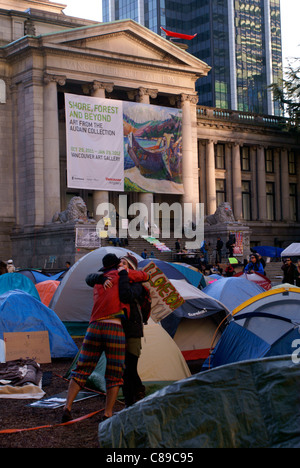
(164, 296)
(27, 345)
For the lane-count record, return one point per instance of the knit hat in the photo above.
(109, 261)
(132, 261)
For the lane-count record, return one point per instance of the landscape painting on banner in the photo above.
(94, 134)
(152, 148)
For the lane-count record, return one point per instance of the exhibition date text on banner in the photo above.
(95, 143)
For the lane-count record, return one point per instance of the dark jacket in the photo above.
(138, 298)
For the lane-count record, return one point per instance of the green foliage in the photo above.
(287, 93)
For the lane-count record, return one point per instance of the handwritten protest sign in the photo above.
(27, 345)
(164, 296)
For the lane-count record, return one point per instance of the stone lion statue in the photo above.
(76, 212)
(222, 215)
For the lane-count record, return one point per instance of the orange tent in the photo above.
(46, 289)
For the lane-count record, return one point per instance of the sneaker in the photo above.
(66, 417)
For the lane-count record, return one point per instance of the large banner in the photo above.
(95, 157)
(120, 145)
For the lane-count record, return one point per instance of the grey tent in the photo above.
(73, 299)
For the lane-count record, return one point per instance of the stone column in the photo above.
(100, 196)
(228, 167)
(285, 188)
(187, 148)
(51, 146)
(261, 184)
(277, 172)
(253, 182)
(237, 182)
(202, 175)
(210, 178)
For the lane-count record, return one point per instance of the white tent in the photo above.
(293, 250)
(161, 359)
(73, 299)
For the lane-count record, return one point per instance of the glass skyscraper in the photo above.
(239, 39)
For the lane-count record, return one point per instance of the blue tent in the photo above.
(167, 268)
(21, 312)
(266, 325)
(37, 276)
(13, 281)
(232, 291)
(196, 278)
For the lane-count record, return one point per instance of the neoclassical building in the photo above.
(246, 160)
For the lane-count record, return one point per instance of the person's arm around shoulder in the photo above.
(95, 278)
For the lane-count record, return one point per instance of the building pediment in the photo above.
(126, 40)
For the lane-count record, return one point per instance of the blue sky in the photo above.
(290, 17)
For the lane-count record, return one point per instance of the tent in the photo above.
(293, 250)
(46, 289)
(194, 325)
(192, 274)
(232, 291)
(170, 270)
(73, 299)
(267, 251)
(13, 281)
(257, 278)
(37, 276)
(21, 312)
(250, 404)
(34, 275)
(153, 370)
(265, 325)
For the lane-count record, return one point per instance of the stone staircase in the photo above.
(139, 244)
(274, 272)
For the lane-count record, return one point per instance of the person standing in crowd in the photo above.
(10, 266)
(289, 271)
(144, 254)
(3, 268)
(219, 247)
(138, 298)
(254, 265)
(104, 334)
(298, 274)
(230, 244)
(177, 245)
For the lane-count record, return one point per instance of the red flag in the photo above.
(180, 36)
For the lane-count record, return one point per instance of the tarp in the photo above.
(267, 251)
(46, 290)
(73, 299)
(21, 312)
(251, 404)
(232, 291)
(293, 250)
(13, 281)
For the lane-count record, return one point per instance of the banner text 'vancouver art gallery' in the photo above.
(123, 146)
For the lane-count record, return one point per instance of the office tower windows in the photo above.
(239, 39)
